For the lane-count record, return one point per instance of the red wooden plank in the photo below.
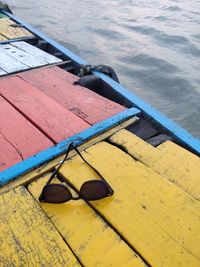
(8, 154)
(20, 133)
(62, 74)
(50, 117)
(81, 101)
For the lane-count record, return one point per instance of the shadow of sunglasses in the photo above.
(90, 190)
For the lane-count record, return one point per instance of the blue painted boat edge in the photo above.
(41, 35)
(182, 135)
(45, 156)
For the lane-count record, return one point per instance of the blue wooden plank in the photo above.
(50, 153)
(182, 135)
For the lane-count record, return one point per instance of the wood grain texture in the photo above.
(25, 138)
(157, 218)
(8, 155)
(170, 160)
(27, 237)
(38, 53)
(86, 104)
(54, 120)
(10, 30)
(92, 240)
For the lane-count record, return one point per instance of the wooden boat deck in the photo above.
(46, 102)
(153, 218)
(149, 221)
(11, 30)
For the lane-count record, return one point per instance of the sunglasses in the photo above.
(90, 190)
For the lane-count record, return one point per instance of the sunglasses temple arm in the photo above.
(62, 162)
(94, 169)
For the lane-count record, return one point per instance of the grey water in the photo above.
(153, 45)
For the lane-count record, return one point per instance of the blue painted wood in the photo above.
(64, 50)
(176, 131)
(52, 152)
(182, 135)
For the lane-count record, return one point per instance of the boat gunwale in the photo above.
(31, 163)
(184, 137)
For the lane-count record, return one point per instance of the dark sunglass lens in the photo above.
(93, 190)
(56, 193)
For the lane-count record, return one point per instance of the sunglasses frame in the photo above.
(56, 173)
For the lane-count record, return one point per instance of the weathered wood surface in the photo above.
(61, 74)
(155, 216)
(8, 154)
(10, 30)
(34, 51)
(170, 160)
(51, 118)
(93, 241)
(86, 104)
(20, 56)
(10, 64)
(31, 60)
(27, 236)
(24, 137)
(50, 165)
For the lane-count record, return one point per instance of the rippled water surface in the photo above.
(153, 45)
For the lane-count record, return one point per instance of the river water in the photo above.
(153, 45)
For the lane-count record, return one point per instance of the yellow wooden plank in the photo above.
(157, 218)
(27, 237)
(46, 167)
(9, 30)
(92, 240)
(170, 160)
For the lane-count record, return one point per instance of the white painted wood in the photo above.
(21, 56)
(2, 72)
(10, 64)
(40, 54)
